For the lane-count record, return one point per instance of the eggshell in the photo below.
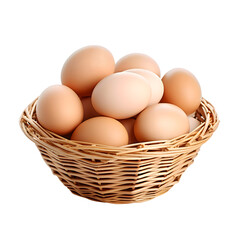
(155, 84)
(193, 122)
(137, 60)
(86, 67)
(161, 121)
(182, 89)
(192, 114)
(121, 95)
(59, 109)
(101, 130)
(89, 111)
(129, 125)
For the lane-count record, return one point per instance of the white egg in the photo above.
(193, 122)
(155, 83)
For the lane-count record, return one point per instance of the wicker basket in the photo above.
(132, 173)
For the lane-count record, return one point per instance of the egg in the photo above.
(59, 109)
(155, 84)
(121, 95)
(89, 111)
(129, 125)
(193, 122)
(182, 89)
(101, 130)
(137, 60)
(86, 67)
(192, 114)
(161, 121)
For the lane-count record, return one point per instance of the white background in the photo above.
(201, 36)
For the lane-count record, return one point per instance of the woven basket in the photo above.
(132, 173)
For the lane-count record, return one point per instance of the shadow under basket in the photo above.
(132, 173)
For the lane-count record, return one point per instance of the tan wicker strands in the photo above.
(132, 173)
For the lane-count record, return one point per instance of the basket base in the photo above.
(126, 193)
(128, 197)
(120, 201)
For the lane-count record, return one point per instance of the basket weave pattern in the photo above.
(132, 173)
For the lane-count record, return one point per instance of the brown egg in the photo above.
(101, 130)
(129, 125)
(182, 89)
(86, 67)
(137, 60)
(89, 111)
(193, 122)
(155, 83)
(121, 95)
(59, 109)
(161, 121)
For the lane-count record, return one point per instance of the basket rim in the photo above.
(206, 114)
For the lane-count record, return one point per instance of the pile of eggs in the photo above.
(118, 104)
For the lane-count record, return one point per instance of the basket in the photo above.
(132, 173)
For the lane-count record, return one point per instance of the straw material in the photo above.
(132, 173)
